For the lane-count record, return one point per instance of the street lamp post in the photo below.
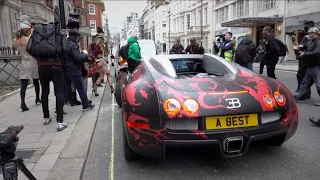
(201, 17)
(154, 31)
(169, 30)
(62, 15)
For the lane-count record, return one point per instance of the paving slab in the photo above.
(41, 146)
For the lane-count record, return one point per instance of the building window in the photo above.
(206, 44)
(194, 18)
(205, 16)
(266, 4)
(164, 36)
(93, 24)
(200, 17)
(49, 3)
(182, 19)
(14, 21)
(223, 14)
(188, 21)
(92, 9)
(219, 1)
(164, 25)
(240, 8)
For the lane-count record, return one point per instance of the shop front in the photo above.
(254, 26)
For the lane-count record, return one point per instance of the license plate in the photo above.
(232, 121)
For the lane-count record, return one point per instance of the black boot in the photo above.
(74, 100)
(24, 107)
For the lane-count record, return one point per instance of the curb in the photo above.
(75, 153)
(7, 95)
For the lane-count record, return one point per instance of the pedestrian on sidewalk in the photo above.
(73, 63)
(312, 55)
(303, 63)
(271, 51)
(226, 48)
(194, 47)
(245, 52)
(261, 56)
(45, 45)
(28, 66)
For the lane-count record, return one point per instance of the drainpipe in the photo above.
(62, 15)
(284, 25)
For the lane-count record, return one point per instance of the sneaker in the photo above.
(47, 121)
(61, 126)
(90, 107)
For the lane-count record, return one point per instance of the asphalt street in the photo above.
(297, 159)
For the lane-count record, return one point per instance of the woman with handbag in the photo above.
(28, 66)
(100, 61)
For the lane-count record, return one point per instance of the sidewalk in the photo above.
(287, 66)
(45, 151)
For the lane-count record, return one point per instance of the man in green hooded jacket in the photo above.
(134, 54)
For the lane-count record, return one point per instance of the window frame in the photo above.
(95, 23)
(94, 9)
(266, 5)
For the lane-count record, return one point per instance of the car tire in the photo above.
(129, 154)
(117, 93)
(277, 140)
(127, 151)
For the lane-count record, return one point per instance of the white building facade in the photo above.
(241, 17)
(161, 28)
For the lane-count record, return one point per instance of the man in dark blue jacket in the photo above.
(74, 61)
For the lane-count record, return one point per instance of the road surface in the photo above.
(297, 159)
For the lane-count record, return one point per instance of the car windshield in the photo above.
(184, 65)
(148, 49)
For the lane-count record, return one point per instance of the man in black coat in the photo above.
(271, 51)
(73, 68)
(177, 48)
(303, 63)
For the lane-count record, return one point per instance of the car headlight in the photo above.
(190, 106)
(268, 100)
(172, 106)
(280, 99)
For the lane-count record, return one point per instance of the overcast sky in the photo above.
(118, 10)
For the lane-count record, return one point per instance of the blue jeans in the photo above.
(78, 84)
(312, 77)
(249, 66)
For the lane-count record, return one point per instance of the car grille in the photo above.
(182, 124)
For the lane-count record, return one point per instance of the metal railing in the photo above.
(9, 68)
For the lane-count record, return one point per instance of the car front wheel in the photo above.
(117, 93)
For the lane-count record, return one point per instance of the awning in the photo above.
(252, 22)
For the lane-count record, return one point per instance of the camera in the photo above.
(8, 142)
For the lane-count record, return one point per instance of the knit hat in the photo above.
(24, 22)
(314, 30)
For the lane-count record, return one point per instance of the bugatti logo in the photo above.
(233, 103)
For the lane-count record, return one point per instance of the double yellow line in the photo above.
(111, 165)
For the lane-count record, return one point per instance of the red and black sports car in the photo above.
(172, 100)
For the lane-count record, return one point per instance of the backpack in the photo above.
(124, 51)
(242, 54)
(282, 48)
(45, 41)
